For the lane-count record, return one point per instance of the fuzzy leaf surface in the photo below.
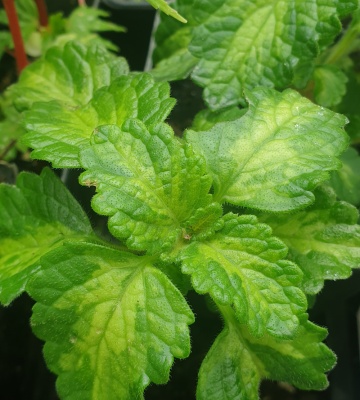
(237, 362)
(112, 322)
(272, 157)
(247, 43)
(69, 74)
(346, 181)
(148, 182)
(323, 240)
(57, 131)
(36, 215)
(241, 265)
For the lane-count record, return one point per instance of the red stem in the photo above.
(20, 55)
(43, 15)
(81, 3)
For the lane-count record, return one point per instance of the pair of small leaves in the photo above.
(242, 44)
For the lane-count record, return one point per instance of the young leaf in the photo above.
(57, 131)
(323, 240)
(346, 181)
(244, 44)
(111, 321)
(237, 362)
(330, 85)
(242, 266)
(177, 67)
(148, 182)
(36, 215)
(69, 74)
(165, 8)
(171, 55)
(84, 23)
(272, 157)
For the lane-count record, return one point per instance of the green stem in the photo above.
(20, 55)
(344, 46)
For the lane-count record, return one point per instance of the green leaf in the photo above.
(242, 266)
(148, 182)
(206, 119)
(111, 321)
(171, 56)
(70, 75)
(330, 85)
(237, 362)
(84, 24)
(177, 67)
(247, 43)
(165, 8)
(323, 240)
(272, 157)
(10, 128)
(57, 131)
(350, 106)
(346, 181)
(171, 35)
(36, 215)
